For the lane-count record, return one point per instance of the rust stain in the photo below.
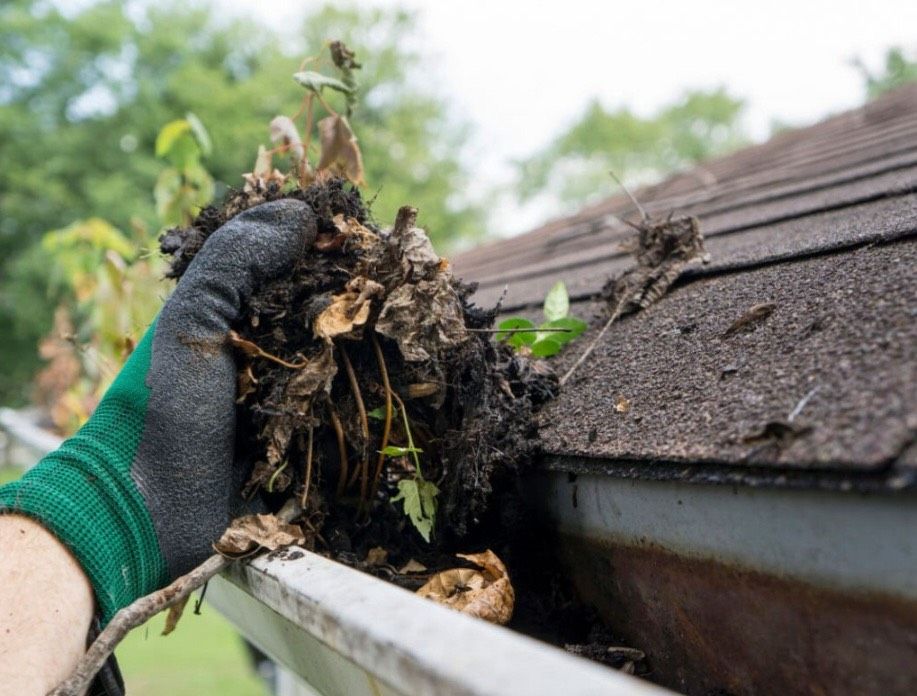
(709, 627)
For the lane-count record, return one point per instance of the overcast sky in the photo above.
(522, 70)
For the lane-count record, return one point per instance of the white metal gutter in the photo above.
(25, 442)
(848, 541)
(346, 633)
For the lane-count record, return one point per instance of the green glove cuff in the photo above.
(84, 494)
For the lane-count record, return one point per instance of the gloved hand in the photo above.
(149, 482)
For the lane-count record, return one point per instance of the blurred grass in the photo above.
(203, 657)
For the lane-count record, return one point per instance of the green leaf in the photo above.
(419, 496)
(200, 133)
(556, 303)
(519, 338)
(395, 451)
(546, 347)
(315, 82)
(170, 134)
(573, 325)
(377, 413)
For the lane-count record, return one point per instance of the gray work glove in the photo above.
(143, 489)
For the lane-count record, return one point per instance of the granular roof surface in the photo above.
(820, 225)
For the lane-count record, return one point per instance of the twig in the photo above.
(342, 449)
(364, 423)
(591, 347)
(387, 428)
(534, 329)
(132, 616)
(142, 610)
(802, 404)
(308, 475)
(629, 195)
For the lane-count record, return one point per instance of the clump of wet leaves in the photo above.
(366, 386)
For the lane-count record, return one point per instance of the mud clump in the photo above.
(365, 376)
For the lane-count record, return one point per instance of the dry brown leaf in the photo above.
(174, 615)
(424, 318)
(247, 383)
(486, 593)
(284, 131)
(314, 377)
(622, 405)
(251, 532)
(340, 152)
(376, 556)
(263, 173)
(348, 311)
(412, 566)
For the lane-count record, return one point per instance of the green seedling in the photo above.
(548, 338)
(417, 494)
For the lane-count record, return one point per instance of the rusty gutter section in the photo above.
(739, 590)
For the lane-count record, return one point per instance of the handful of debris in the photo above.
(369, 387)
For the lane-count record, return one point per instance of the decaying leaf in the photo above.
(284, 131)
(263, 173)
(622, 404)
(424, 318)
(485, 593)
(750, 319)
(412, 566)
(174, 615)
(247, 384)
(348, 311)
(311, 379)
(376, 556)
(665, 247)
(251, 532)
(340, 152)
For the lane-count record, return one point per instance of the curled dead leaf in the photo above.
(347, 311)
(174, 615)
(412, 566)
(340, 152)
(284, 131)
(376, 556)
(485, 592)
(424, 318)
(249, 533)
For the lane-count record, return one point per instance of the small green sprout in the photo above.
(418, 494)
(548, 338)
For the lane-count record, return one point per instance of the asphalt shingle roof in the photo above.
(819, 222)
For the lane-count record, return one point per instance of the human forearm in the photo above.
(46, 606)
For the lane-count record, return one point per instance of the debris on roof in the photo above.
(806, 309)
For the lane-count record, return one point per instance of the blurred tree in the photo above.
(83, 96)
(574, 167)
(898, 70)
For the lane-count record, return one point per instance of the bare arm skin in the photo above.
(46, 606)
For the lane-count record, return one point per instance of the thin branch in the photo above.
(364, 422)
(387, 429)
(591, 347)
(629, 195)
(308, 474)
(342, 449)
(132, 616)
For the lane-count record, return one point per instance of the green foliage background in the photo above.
(82, 97)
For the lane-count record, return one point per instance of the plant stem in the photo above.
(387, 428)
(407, 432)
(308, 474)
(364, 422)
(342, 449)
